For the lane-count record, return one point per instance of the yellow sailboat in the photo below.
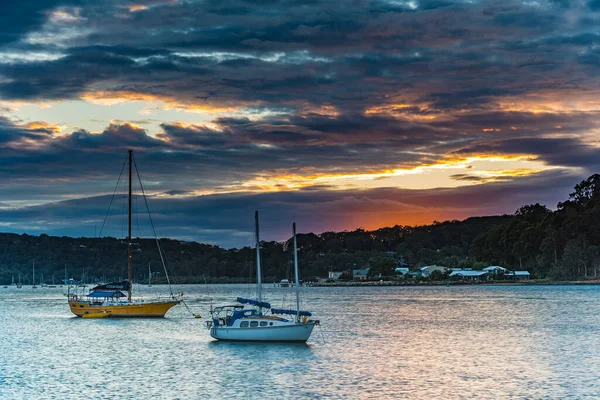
(109, 300)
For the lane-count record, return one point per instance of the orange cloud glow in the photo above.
(109, 98)
(426, 176)
(56, 129)
(136, 7)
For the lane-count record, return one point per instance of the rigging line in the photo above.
(190, 310)
(137, 219)
(112, 198)
(109, 206)
(153, 229)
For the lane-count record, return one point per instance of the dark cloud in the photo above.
(441, 52)
(467, 177)
(21, 17)
(181, 157)
(554, 151)
(594, 5)
(202, 218)
(315, 86)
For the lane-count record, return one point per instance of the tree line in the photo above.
(560, 244)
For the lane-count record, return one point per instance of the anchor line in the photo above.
(189, 309)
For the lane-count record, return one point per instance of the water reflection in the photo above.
(416, 343)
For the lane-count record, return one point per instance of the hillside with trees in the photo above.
(558, 244)
(561, 244)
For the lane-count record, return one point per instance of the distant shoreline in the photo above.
(399, 283)
(457, 283)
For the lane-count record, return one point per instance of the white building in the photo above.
(518, 275)
(471, 275)
(495, 270)
(428, 269)
(360, 274)
(335, 275)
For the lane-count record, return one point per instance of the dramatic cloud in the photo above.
(373, 102)
(203, 218)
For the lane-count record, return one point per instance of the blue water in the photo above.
(459, 342)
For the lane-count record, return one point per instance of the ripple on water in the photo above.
(393, 342)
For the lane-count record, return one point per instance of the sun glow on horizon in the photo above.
(447, 173)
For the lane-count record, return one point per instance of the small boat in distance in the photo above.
(237, 323)
(109, 300)
(284, 283)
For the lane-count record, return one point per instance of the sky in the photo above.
(333, 114)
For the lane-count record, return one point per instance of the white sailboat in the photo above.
(284, 283)
(237, 323)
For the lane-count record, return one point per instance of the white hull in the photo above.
(295, 332)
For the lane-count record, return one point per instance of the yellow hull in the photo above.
(133, 310)
(99, 314)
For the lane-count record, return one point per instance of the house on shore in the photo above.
(428, 269)
(496, 270)
(470, 275)
(517, 275)
(360, 274)
(401, 270)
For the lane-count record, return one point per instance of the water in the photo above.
(454, 342)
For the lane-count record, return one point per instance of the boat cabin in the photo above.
(239, 317)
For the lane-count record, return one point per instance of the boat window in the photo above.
(270, 323)
(263, 323)
(244, 324)
(253, 323)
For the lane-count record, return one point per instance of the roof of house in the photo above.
(522, 273)
(493, 267)
(423, 268)
(468, 273)
(364, 271)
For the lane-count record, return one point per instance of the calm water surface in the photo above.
(534, 342)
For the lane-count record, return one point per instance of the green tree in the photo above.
(382, 265)
(437, 276)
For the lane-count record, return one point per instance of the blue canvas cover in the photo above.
(290, 312)
(106, 294)
(256, 303)
(123, 285)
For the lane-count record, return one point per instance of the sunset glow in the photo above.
(401, 116)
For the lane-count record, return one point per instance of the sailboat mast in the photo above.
(296, 275)
(129, 259)
(258, 274)
(33, 278)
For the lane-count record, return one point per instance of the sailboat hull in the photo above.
(297, 332)
(128, 310)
